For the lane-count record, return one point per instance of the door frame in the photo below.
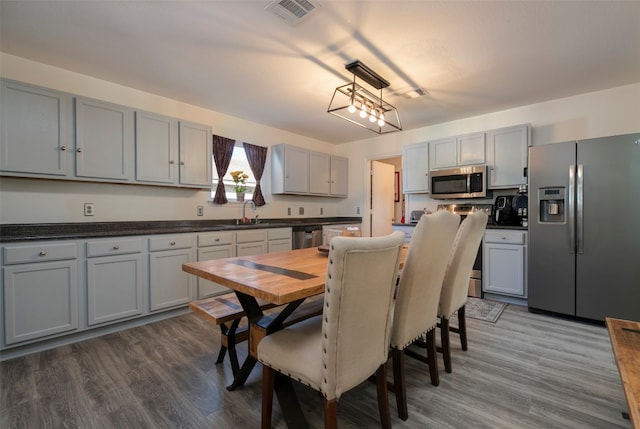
(366, 213)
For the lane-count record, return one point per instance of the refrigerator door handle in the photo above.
(580, 209)
(571, 209)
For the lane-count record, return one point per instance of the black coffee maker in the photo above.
(503, 211)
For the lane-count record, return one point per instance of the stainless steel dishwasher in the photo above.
(305, 236)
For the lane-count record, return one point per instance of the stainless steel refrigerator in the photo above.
(584, 228)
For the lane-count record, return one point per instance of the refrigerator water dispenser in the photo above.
(551, 204)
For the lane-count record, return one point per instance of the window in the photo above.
(240, 162)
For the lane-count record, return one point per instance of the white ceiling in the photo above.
(234, 57)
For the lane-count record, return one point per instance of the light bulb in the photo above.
(381, 121)
(372, 117)
(351, 108)
(363, 112)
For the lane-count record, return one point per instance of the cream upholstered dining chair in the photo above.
(416, 305)
(342, 348)
(456, 281)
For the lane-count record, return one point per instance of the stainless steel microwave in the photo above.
(461, 182)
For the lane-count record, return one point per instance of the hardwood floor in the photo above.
(525, 371)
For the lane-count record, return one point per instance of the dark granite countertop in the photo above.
(79, 230)
(489, 226)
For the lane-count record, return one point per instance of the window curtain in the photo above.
(257, 157)
(222, 152)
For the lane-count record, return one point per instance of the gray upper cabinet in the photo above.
(42, 135)
(415, 168)
(295, 170)
(195, 155)
(507, 156)
(328, 174)
(319, 173)
(156, 148)
(457, 151)
(289, 170)
(34, 130)
(104, 140)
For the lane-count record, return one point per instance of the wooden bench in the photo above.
(226, 311)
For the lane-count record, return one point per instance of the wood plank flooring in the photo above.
(525, 371)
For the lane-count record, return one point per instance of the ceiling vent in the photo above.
(293, 11)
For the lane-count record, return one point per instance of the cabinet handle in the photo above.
(79, 149)
(43, 253)
(171, 162)
(217, 239)
(181, 163)
(63, 147)
(173, 243)
(116, 247)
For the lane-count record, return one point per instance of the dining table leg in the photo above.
(256, 316)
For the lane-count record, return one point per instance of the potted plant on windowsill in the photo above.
(240, 179)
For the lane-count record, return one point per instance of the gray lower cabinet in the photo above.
(251, 242)
(40, 290)
(504, 261)
(115, 279)
(169, 286)
(214, 245)
(279, 240)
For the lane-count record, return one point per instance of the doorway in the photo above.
(386, 201)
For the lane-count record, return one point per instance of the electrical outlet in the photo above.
(289, 211)
(89, 209)
(321, 211)
(300, 210)
(200, 210)
(357, 210)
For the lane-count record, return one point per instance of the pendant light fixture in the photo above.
(359, 106)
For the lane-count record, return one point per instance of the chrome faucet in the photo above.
(244, 207)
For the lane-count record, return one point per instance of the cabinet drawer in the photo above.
(279, 233)
(505, 236)
(251, 236)
(216, 239)
(113, 247)
(21, 254)
(170, 242)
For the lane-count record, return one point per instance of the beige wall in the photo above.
(596, 114)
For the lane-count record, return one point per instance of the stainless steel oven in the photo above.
(475, 279)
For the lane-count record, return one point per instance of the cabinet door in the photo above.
(104, 140)
(283, 245)
(503, 269)
(169, 286)
(507, 154)
(415, 168)
(40, 299)
(156, 148)
(471, 149)
(208, 288)
(339, 176)
(114, 288)
(443, 153)
(195, 155)
(248, 249)
(319, 173)
(296, 170)
(34, 130)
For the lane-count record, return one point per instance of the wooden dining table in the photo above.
(625, 342)
(282, 278)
